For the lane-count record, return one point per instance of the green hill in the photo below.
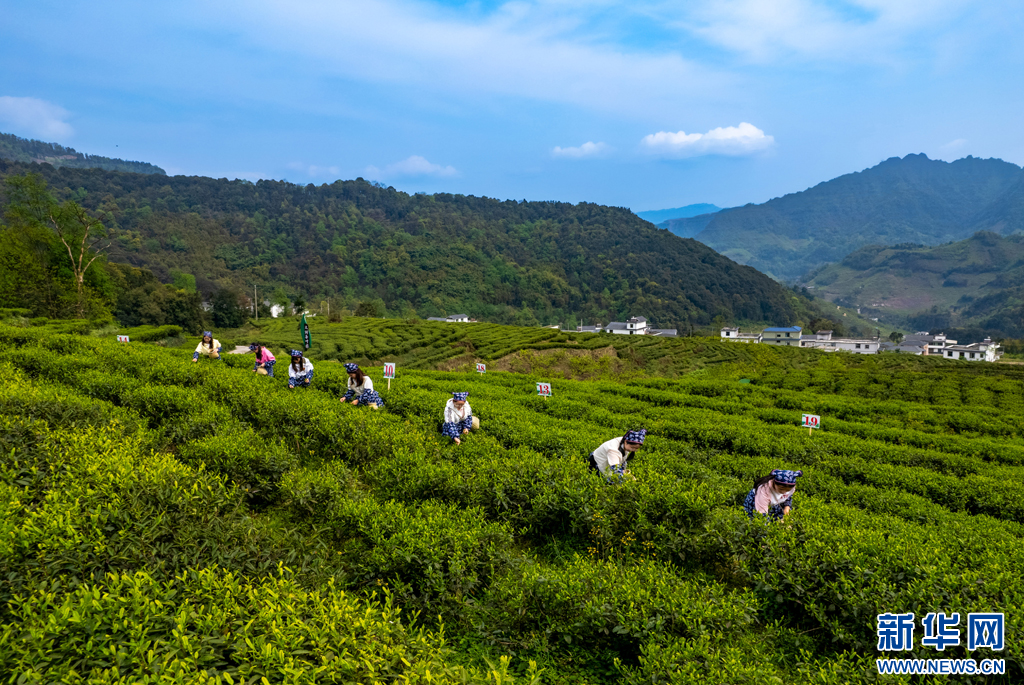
(408, 255)
(978, 282)
(908, 200)
(22, 150)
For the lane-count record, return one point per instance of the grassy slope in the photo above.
(912, 279)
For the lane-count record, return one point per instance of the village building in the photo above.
(454, 318)
(636, 325)
(789, 335)
(734, 335)
(823, 340)
(985, 351)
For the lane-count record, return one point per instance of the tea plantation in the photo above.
(170, 522)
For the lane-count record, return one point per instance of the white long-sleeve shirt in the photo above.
(203, 348)
(293, 372)
(609, 454)
(358, 390)
(453, 415)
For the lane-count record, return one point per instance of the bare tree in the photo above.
(81, 234)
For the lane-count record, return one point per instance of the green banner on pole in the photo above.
(307, 339)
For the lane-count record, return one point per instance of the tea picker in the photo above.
(264, 360)
(207, 347)
(458, 417)
(612, 457)
(360, 389)
(772, 495)
(300, 371)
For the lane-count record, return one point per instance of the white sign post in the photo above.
(811, 422)
(389, 372)
(122, 338)
(481, 368)
(544, 389)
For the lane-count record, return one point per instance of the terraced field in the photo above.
(197, 523)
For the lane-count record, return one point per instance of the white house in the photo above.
(823, 340)
(985, 351)
(454, 318)
(931, 344)
(734, 335)
(636, 325)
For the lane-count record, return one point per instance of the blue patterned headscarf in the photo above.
(207, 334)
(296, 353)
(786, 477)
(254, 347)
(460, 396)
(636, 436)
(351, 368)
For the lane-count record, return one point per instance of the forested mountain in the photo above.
(21, 150)
(975, 283)
(657, 216)
(523, 262)
(908, 200)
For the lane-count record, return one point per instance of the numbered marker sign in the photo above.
(389, 370)
(122, 338)
(812, 421)
(544, 389)
(481, 368)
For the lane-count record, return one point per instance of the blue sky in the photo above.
(638, 104)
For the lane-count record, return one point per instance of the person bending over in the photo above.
(207, 347)
(772, 495)
(300, 371)
(611, 458)
(264, 359)
(458, 417)
(360, 389)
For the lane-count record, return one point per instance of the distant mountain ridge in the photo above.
(659, 216)
(23, 150)
(901, 200)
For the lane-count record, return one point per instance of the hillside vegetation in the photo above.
(908, 200)
(23, 150)
(973, 283)
(196, 522)
(406, 255)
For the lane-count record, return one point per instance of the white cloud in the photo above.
(35, 118)
(537, 50)
(314, 171)
(588, 149)
(744, 139)
(413, 166)
(855, 30)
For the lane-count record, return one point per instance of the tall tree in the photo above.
(31, 206)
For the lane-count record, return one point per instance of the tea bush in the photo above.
(131, 476)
